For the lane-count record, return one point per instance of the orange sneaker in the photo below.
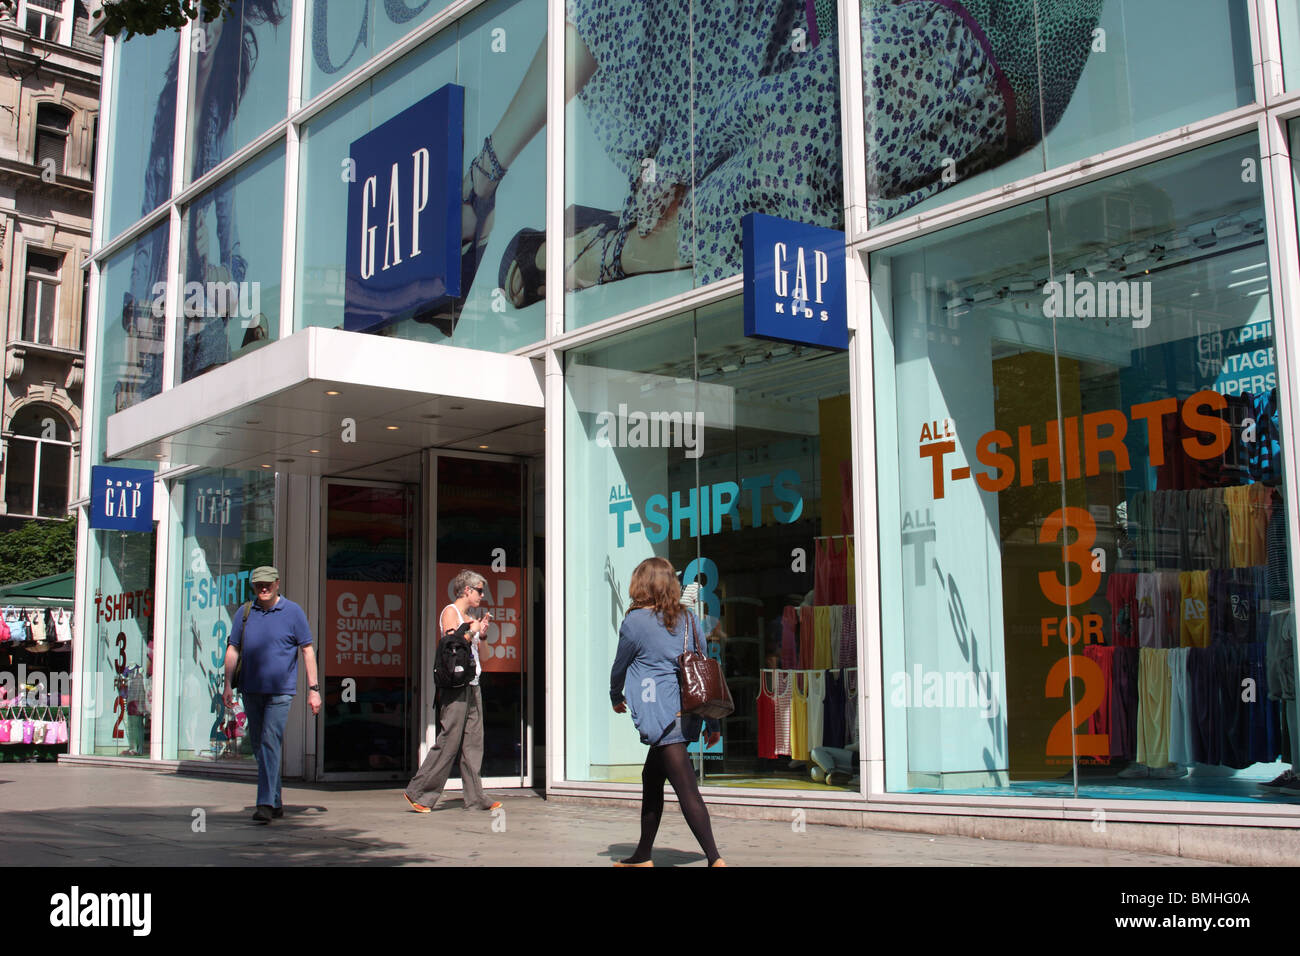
(418, 808)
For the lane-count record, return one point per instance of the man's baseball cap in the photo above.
(264, 573)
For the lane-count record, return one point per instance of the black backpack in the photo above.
(454, 659)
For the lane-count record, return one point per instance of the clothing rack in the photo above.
(830, 537)
(796, 670)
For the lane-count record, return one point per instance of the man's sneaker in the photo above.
(1170, 772)
(1286, 778)
(418, 808)
(277, 812)
(1134, 770)
(262, 814)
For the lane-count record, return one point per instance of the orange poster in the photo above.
(365, 629)
(503, 595)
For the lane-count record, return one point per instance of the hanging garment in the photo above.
(1203, 702)
(1148, 603)
(839, 569)
(1180, 712)
(1121, 591)
(35, 625)
(790, 637)
(784, 709)
(852, 571)
(837, 625)
(807, 637)
(1153, 707)
(766, 717)
(17, 626)
(816, 709)
(1231, 665)
(851, 706)
(1280, 655)
(1194, 629)
(1099, 722)
(799, 719)
(849, 637)
(1263, 502)
(822, 571)
(1168, 609)
(1265, 726)
(1237, 498)
(1266, 450)
(1276, 552)
(821, 658)
(1123, 702)
(833, 724)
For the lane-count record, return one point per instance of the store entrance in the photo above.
(369, 630)
(479, 508)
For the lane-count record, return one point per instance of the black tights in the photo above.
(670, 762)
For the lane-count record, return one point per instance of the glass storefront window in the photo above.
(972, 117)
(239, 80)
(1288, 21)
(342, 36)
(230, 303)
(226, 530)
(1092, 569)
(730, 457)
(683, 118)
(116, 681)
(143, 129)
(132, 318)
(493, 53)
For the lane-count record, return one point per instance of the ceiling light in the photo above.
(252, 421)
(223, 434)
(315, 451)
(266, 466)
(391, 428)
(482, 446)
(331, 392)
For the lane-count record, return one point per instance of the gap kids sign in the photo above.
(121, 499)
(403, 243)
(795, 282)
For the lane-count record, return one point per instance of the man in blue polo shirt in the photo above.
(268, 637)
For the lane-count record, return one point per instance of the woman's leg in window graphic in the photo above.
(671, 763)
(523, 119)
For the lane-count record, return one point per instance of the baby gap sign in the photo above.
(403, 242)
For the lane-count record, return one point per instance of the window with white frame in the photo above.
(48, 19)
(38, 463)
(41, 297)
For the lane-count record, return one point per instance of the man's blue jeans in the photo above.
(267, 714)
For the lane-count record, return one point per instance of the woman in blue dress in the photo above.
(645, 680)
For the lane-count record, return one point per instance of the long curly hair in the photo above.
(654, 585)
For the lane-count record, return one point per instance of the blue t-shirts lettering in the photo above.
(269, 645)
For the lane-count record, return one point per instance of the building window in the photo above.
(45, 19)
(41, 302)
(38, 463)
(52, 124)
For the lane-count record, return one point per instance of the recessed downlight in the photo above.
(331, 391)
(391, 428)
(314, 451)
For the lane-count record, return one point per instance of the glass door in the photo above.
(368, 642)
(480, 514)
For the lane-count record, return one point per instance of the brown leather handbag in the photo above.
(704, 689)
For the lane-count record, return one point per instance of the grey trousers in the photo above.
(460, 729)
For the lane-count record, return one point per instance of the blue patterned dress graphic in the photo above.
(726, 107)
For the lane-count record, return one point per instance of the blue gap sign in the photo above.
(795, 282)
(121, 499)
(403, 245)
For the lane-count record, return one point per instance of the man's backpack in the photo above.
(454, 659)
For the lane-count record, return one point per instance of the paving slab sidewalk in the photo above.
(67, 815)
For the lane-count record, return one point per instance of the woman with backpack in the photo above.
(460, 703)
(645, 678)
